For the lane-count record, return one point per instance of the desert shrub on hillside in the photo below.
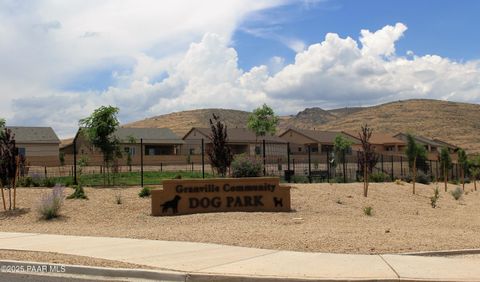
(421, 178)
(435, 197)
(78, 193)
(368, 211)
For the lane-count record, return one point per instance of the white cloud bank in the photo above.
(180, 75)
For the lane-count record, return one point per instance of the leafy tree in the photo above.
(367, 157)
(219, 153)
(99, 129)
(414, 152)
(341, 145)
(446, 164)
(474, 168)
(463, 163)
(8, 165)
(263, 121)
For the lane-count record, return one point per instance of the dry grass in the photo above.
(327, 218)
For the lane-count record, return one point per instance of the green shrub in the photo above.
(243, 166)
(50, 204)
(457, 193)
(434, 198)
(379, 177)
(368, 211)
(118, 198)
(79, 193)
(421, 178)
(145, 192)
(48, 182)
(25, 182)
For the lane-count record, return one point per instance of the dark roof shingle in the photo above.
(30, 134)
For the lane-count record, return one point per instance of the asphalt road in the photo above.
(22, 277)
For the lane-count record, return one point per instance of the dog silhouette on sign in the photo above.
(172, 204)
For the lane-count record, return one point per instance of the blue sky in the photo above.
(61, 60)
(443, 27)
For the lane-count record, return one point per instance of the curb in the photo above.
(443, 253)
(154, 275)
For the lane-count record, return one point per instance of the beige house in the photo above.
(383, 143)
(159, 145)
(39, 145)
(319, 141)
(240, 140)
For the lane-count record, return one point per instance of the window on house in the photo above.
(192, 151)
(327, 148)
(21, 151)
(130, 150)
(299, 149)
(390, 148)
(257, 150)
(156, 150)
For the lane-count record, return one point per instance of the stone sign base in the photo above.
(259, 194)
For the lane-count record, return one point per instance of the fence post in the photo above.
(288, 162)
(431, 170)
(392, 168)
(141, 161)
(264, 159)
(328, 166)
(344, 167)
(382, 162)
(401, 166)
(436, 166)
(203, 158)
(309, 165)
(75, 182)
(45, 168)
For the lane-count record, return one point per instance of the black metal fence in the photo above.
(278, 160)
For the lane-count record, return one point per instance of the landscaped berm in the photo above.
(325, 218)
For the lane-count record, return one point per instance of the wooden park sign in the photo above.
(259, 194)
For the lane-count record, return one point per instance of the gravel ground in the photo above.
(47, 257)
(326, 218)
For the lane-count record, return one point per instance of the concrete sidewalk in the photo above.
(218, 261)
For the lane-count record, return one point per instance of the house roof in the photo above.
(39, 135)
(445, 144)
(378, 138)
(239, 135)
(321, 136)
(149, 135)
(420, 139)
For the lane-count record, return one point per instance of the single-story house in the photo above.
(382, 143)
(240, 140)
(39, 145)
(319, 141)
(159, 145)
(433, 147)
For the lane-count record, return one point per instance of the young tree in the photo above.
(463, 163)
(475, 170)
(446, 164)
(263, 121)
(219, 153)
(99, 129)
(367, 156)
(414, 153)
(8, 165)
(341, 145)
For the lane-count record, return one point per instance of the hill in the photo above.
(456, 123)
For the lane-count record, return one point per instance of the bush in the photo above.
(434, 198)
(48, 182)
(243, 166)
(379, 177)
(368, 211)
(50, 204)
(145, 192)
(118, 198)
(421, 178)
(79, 193)
(25, 182)
(457, 193)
